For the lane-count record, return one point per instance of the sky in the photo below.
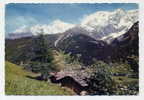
(19, 15)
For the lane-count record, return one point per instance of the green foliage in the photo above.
(126, 85)
(133, 62)
(64, 61)
(42, 59)
(38, 67)
(67, 57)
(121, 68)
(18, 50)
(100, 81)
(41, 51)
(112, 79)
(125, 77)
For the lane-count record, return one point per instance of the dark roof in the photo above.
(78, 75)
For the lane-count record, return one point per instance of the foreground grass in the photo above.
(17, 83)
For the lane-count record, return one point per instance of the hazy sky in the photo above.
(18, 15)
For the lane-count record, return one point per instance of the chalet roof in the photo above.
(78, 75)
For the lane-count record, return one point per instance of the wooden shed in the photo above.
(74, 79)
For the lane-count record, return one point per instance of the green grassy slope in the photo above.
(18, 84)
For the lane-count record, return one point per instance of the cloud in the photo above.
(56, 26)
(22, 29)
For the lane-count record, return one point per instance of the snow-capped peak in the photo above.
(104, 23)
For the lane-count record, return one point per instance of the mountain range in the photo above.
(103, 36)
(100, 25)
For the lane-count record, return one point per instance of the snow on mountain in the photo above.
(103, 23)
(100, 25)
(109, 38)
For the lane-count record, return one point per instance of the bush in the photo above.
(100, 81)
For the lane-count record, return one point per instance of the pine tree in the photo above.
(42, 56)
(41, 51)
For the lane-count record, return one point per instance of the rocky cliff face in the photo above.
(126, 44)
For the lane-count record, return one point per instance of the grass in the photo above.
(124, 69)
(17, 83)
(125, 80)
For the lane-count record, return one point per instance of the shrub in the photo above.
(100, 81)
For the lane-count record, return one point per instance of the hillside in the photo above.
(21, 49)
(18, 82)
